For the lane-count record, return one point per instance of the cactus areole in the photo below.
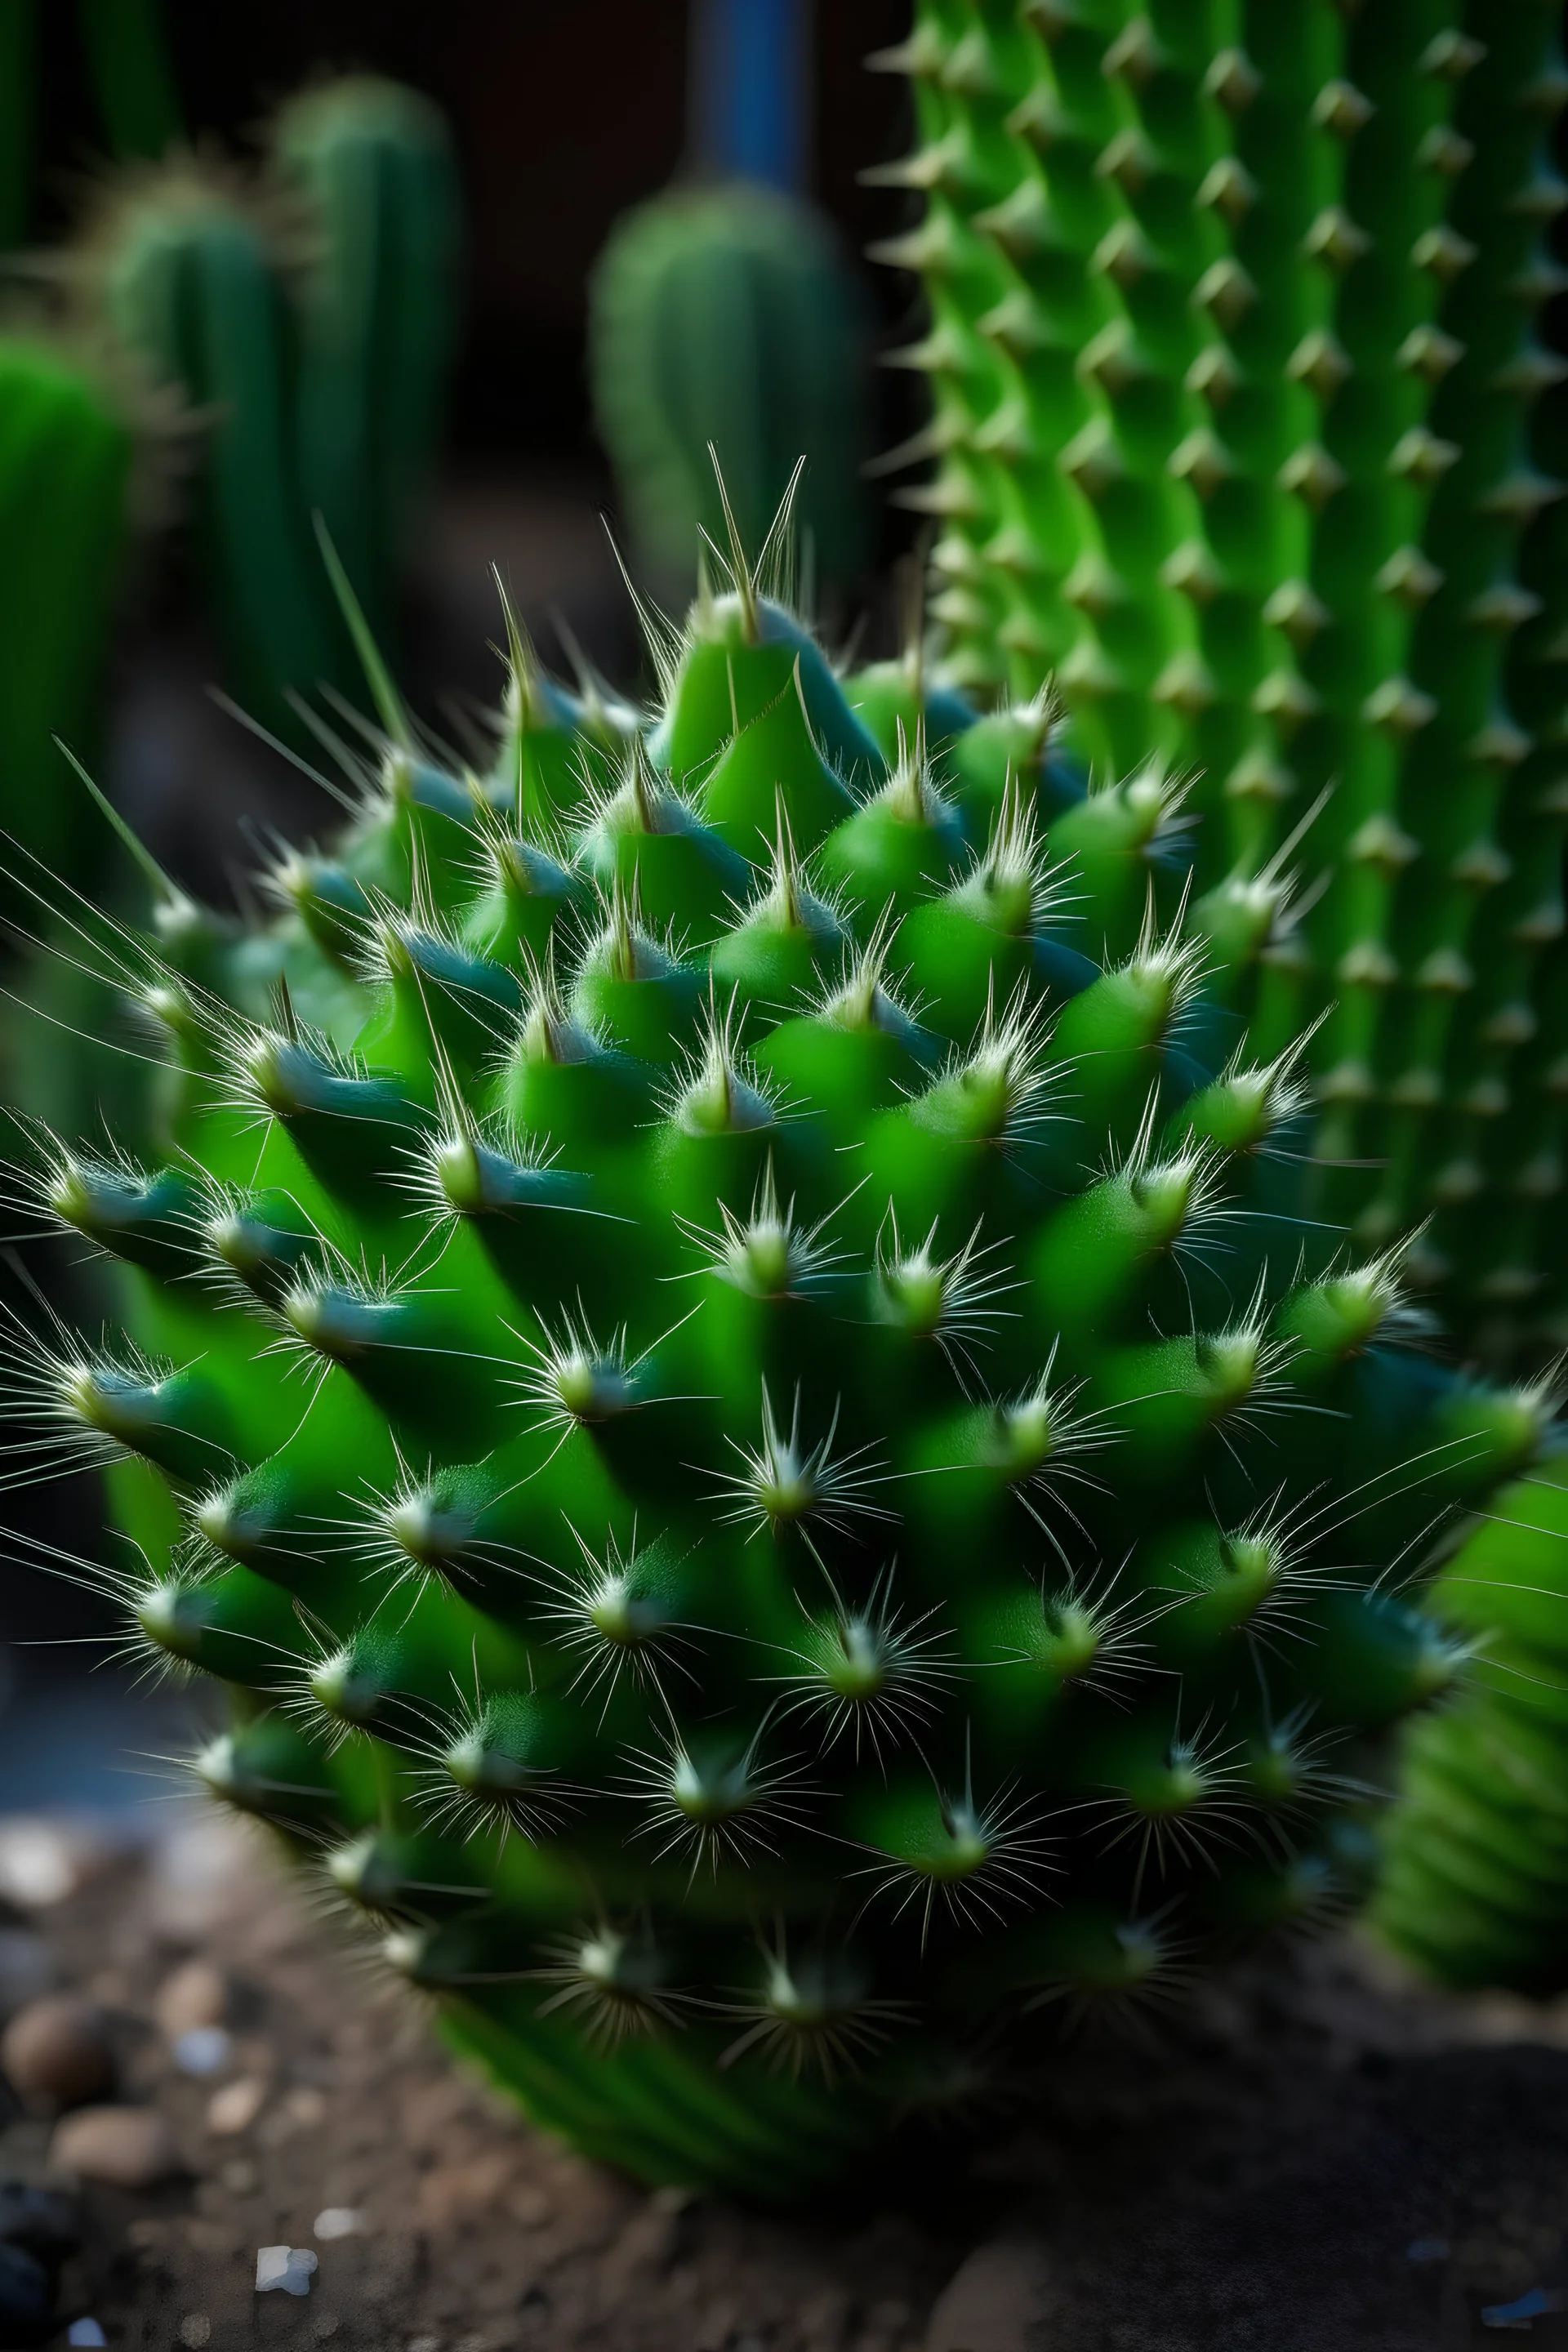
(723, 1363)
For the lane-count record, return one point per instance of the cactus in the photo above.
(376, 312)
(306, 316)
(1475, 1884)
(723, 318)
(720, 1357)
(1243, 436)
(65, 452)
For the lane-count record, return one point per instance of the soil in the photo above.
(1314, 2158)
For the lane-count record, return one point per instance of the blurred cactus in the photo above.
(375, 314)
(132, 75)
(725, 317)
(66, 447)
(306, 318)
(1243, 435)
(1475, 1886)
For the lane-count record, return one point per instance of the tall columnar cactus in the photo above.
(307, 317)
(724, 318)
(1475, 1883)
(720, 1358)
(376, 312)
(66, 451)
(1245, 435)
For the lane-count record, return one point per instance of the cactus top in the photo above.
(725, 1364)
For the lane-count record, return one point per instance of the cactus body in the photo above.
(1475, 1884)
(65, 467)
(1244, 434)
(724, 317)
(724, 1365)
(376, 312)
(305, 319)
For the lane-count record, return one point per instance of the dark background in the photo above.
(565, 113)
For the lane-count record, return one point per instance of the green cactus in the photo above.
(721, 1359)
(65, 455)
(306, 318)
(1241, 434)
(376, 312)
(723, 318)
(1475, 1883)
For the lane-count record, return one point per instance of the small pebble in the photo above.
(289, 2267)
(85, 2331)
(129, 2148)
(423, 2344)
(40, 1863)
(339, 2221)
(327, 2324)
(57, 2051)
(194, 1996)
(1001, 2298)
(196, 2329)
(201, 2050)
(26, 1969)
(236, 2107)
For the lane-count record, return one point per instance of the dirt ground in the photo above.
(1314, 2159)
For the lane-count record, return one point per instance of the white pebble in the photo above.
(40, 1863)
(202, 2050)
(196, 2329)
(236, 2107)
(339, 2221)
(85, 2331)
(289, 2267)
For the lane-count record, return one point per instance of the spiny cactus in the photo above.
(306, 316)
(1475, 1884)
(721, 1359)
(724, 318)
(1243, 435)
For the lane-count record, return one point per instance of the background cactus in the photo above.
(66, 461)
(720, 1357)
(1475, 1883)
(1243, 435)
(307, 318)
(725, 317)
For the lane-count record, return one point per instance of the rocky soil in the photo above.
(264, 2146)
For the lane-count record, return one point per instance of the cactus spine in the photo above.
(1243, 436)
(722, 1362)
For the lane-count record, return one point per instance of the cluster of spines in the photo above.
(1237, 415)
(683, 1193)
